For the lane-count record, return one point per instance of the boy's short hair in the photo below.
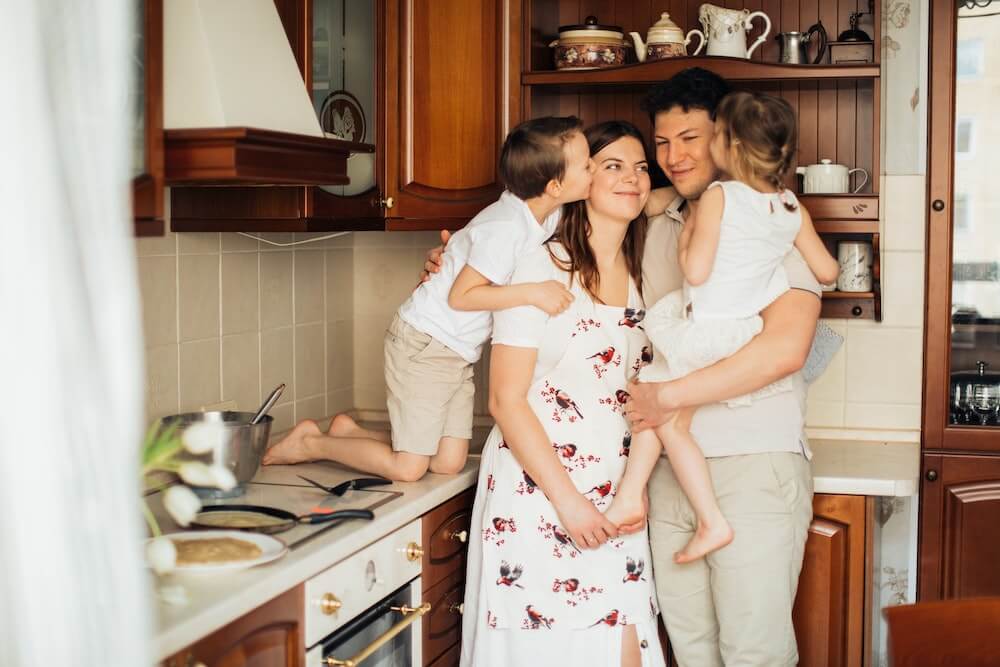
(532, 154)
(692, 88)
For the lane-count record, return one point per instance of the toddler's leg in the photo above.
(628, 507)
(713, 531)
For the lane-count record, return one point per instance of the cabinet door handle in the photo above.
(931, 475)
(457, 608)
(937, 205)
(459, 536)
(414, 552)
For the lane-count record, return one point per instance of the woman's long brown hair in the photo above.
(574, 229)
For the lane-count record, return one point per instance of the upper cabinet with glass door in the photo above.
(963, 408)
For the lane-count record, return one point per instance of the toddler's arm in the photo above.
(814, 251)
(659, 200)
(474, 291)
(698, 254)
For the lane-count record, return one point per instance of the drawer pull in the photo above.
(459, 536)
(414, 551)
(457, 608)
(409, 616)
(329, 604)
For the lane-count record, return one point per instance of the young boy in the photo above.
(439, 332)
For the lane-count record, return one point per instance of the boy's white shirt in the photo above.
(492, 243)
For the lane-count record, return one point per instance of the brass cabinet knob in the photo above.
(329, 604)
(931, 475)
(414, 551)
(459, 536)
(457, 608)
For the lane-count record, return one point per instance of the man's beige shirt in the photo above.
(772, 424)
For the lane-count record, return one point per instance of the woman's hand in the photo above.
(550, 296)
(584, 523)
(432, 263)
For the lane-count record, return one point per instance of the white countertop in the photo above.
(850, 466)
(216, 600)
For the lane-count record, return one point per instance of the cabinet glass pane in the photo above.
(343, 82)
(975, 294)
(137, 106)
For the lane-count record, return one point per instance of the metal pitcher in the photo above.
(795, 45)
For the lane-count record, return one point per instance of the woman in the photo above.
(550, 580)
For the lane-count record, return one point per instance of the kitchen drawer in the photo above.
(359, 581)
(449, 658)
(446, 535)
(443, 623)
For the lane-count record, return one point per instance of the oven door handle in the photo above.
(410, 614)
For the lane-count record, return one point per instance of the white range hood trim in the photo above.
(228, 63)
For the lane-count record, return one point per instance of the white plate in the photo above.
(271, 549)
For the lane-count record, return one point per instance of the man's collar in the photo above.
(674, 210)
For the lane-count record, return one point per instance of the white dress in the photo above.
(532, 597)
(697, 326)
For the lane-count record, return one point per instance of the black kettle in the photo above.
(795, 46)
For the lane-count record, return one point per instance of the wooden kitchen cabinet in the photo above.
(147, 168)
(269, 636)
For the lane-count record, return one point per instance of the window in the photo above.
(964, 137)
(963, 213)
(970, 58)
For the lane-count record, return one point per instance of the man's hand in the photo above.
(432, 264)
(550, 296)
(643, 410)
(584, 523)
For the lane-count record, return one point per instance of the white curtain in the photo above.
(72, 588)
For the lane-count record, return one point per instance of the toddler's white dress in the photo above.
(695, 327)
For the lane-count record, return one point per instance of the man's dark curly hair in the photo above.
(693, 88)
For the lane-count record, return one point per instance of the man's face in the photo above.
(682, 141)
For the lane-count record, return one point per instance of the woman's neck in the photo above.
(606, 237)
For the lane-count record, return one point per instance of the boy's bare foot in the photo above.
(627, 513)
(707, 538)
(292, 448)
(343, 426)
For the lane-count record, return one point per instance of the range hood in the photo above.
(236, 110)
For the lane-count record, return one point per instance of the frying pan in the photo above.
(280, 520)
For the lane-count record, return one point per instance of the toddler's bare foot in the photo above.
(626, 511)
(707, 538)
(343, 426)
(292, 448)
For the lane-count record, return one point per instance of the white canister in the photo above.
(856, 259)
(829, 178)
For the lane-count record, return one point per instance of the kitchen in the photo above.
(277, 255)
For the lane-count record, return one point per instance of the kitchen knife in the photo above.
(344, 487)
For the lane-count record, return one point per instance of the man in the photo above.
(733, 607)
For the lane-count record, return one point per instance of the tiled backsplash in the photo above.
(228, 318)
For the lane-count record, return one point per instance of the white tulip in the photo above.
(161, 554)
(204, 437)
(182, 504)
(223, 477)
(196, 473)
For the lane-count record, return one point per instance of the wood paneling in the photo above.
(953, 632)
(442, 527)
(829, 611)
(959, 540)
(442, 626)
(147, 188)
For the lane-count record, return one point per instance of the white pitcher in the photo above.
(727, 30)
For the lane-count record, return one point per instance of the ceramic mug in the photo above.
(830, 178)
(855, 259)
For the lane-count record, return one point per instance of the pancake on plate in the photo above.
(215, 550)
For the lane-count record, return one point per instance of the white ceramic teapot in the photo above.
(665, 39)
(829, 178)
(727, 30)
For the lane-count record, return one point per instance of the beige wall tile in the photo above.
(277, 361)
(309, 286)
(311, 408)
(881, 415)
(310, 360)
(241, 370)
(824, 413)
(199, 374)
(161, 381)
(368, 364)
(339, 284)
(275, 289)
(284, 417)
(158, 288)
(339, 401)
(884, 366)
(341, 241)
(340, 355)
(905, 213)
(369, 396)
(830, 386)
(276, 237)
(383, 279)
(903, 289)
(239, 243)
(198, 296)
(197, 243)
(240, 293)
(148, 246)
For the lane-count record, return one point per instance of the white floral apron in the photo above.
(533, 576)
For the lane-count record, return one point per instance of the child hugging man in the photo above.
(439, 331)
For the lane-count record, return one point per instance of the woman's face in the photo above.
(621, 183)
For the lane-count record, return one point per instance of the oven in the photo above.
(366, 611)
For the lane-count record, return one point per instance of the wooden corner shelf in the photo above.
(733, 69)
(251, 156)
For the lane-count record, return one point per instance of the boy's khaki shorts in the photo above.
(429, 390)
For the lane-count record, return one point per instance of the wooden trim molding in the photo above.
(147, 188)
